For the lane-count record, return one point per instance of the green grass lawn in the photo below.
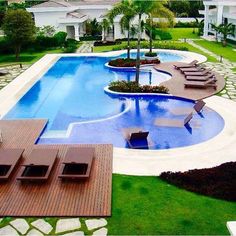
(217, 48)
(181, 33)
(147, 205)
(26, 57)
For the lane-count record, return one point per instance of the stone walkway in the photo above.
(14, 71)
(66, 227)
(225, 68)
(86, 47)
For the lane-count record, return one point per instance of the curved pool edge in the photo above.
(217, 150)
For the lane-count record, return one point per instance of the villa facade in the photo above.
(218, 12)
(71, 17)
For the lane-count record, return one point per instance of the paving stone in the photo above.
(76, 233)
(95, 223)
(102, 231)
(8, 231)
(67, 225)
(20, 225)
(34, 232)
(42, 225)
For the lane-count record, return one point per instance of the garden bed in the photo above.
(125, 62)
(133, 87)
(218, 182)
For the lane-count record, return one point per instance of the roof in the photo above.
(61, 3)
(75, 14)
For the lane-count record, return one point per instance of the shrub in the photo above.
(6, 46)
(106, 43)
(60, 39)
(125, 62)
(217, 182)
(180, 24)
(70, 46)
(161, 34)
(133, 87)
(157, 44)
(151, 54)
(90, 38)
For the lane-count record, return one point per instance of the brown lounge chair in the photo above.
(9, 158)
(192, 69)
(199, 73)
(136, 138)
(185, 65)
(198, 106)
(201, 78)
(38, 166)
(201, 84)
(77, 163)
(174, 122)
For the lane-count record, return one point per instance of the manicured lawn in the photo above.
(217, 48)
(26, 57)
(147, 205)
(181, 33)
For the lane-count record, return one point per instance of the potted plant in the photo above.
(151, 55)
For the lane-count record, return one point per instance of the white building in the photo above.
(71, 16)
(217, 12)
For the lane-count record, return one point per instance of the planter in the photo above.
(151, 58)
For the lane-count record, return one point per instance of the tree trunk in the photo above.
(225, 41)
(128, 45)
(150, 40)
(17, 52)
(138, 50)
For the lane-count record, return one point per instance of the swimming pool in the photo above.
(71, 96)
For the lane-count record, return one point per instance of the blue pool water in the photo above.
(71, 96)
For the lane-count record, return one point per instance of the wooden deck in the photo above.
(56, 197)
(176, 84)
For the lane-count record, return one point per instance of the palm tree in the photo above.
(200, 26)
(105, 24)
(226, 29)
(123, 8)
(216, 28)
(159, 11)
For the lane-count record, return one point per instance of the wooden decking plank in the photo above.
(54, 198)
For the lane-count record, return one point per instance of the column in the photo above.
(76, 32)
(219, 14)
(206, 21)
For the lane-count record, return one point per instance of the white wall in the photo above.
(49, 18)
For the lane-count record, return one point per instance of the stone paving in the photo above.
(66, 227)
(224, 68)
(86, 47)
(14, 71)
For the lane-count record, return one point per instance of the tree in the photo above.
(200, 26)
(105, 24)
(225, 29)
(46, 30)
(180, 7)
(125, 9)
(19, 28)
(159, 11)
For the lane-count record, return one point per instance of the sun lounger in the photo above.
(199, 73)
(174, 122)
(77, 163)
(192, 69)
(200, 84)
(178, 111)
(9, 158)
(185, 65)
(38, 165)
(201, 78)
(231, 225)
(136, 138)
(199, 105)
